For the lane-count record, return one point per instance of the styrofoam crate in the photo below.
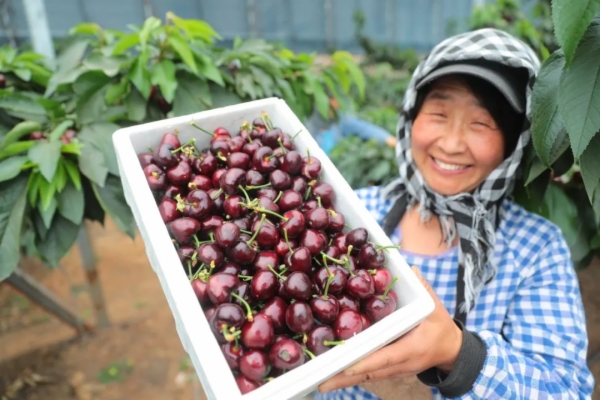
(415, 303)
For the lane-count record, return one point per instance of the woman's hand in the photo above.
(436, 342)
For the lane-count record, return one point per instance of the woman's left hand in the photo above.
(435, 342)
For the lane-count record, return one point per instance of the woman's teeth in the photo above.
(449, 167)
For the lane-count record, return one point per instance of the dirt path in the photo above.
(140, 356)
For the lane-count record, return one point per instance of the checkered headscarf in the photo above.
(473, 216)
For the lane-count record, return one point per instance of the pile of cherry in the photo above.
(279, 275)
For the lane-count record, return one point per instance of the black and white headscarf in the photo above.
(473, 216)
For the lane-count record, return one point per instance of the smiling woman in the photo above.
(508, 320)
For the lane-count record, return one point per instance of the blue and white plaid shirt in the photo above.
(530, 316)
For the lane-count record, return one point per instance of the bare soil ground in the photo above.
(140, 355)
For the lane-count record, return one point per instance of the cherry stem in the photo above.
(319, 201)
(249, 315)
(258, 187)
(325, 265)
(150, 149)
(191, 141)
(329, 280)
(196, 241)
(340, 262)
(308, 156)
(285, 235)
(217, 194)
(308, 352)
(307, 193)
(192, 123)
(220, 156)
(372, 271)
(333, 343)
(265, 211)
(266, 120)
(211, 235)
(281, 145)
(246, 232)
(380, 247)
(276, 273)
(189, 265)
(155, 174)
(278, 196)
(296, 135)
(245, 193)
(262, 220)
(348, 226)
(245, 277)
(384, 295)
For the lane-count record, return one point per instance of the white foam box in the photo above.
(415, 303)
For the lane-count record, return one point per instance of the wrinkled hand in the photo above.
(435, 342)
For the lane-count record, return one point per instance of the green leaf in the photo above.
(23, 73)
(546, 123)
(113, 202)
(60, 178)
(68, 62)
(71, 204)
(12, 207)
(208, 68)
(192, 94)
(590, 167)
(46, 156)
(140, 77)
(22, 106)
(60, 238)
(59, 130)
(47, 191)
(125, 43)
(86, 28)
(571, 18)
(11, 167)
(579, 95)
(33, 187)
(91, 88)
(222, 97)
(183, 49)
(108, 64)
(116, 91)
(16, 148)
(73, 173)
(163, 75)
(92, 165)
(20, 130)
(151, 24)
(99, 135)
(136, 106)
(244, 83)
(48, 213)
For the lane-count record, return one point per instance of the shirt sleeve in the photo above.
(541, 351)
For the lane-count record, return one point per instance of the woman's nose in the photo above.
(452, 140)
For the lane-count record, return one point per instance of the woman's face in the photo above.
(455, 141)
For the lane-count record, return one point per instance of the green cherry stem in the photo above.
(258, 187)
(307, 193)
(335, 260)
(296, 135)
(384, 295)
(333, 343)
(217, 194)
(266, 120)
(325, 265)
(308, 352)
(285, 235)
(192, 123)
(278, 197)
(189, 265)
(279, 275)
(319, 200)
(249, 314)
(308, 156)
(245, 277)
(211, 235)
(246, 232)
(253, 238)
(329, 280)
(189, 142)
(245, 193)
(265, 211)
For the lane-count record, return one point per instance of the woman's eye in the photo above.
(482, 124)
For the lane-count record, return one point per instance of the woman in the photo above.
(508, 321)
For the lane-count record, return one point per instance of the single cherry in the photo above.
(324, 191)
(286, 354)
(299, 260)
(183, 229)
(338, 283)
(348, 302)
(265, 260)
(357, 238)
(172, 139)
(370, 257)
(246, 385)
(275, 310)
(205, 164)
(232, 352)
(381, 279)
(289, 200)
(201, 182)
(299, 185)
(197, 204)
(200, 290)
(231, 180)
(258, 333)
(280, 180)
(172, 191)
(220, 286)
(325, 307)
(145, 158)
(263, 160)
(311, 167)
(336, 221)
(180, 173)
(238, 160)
(168, 210)
(264, 285)
(164, 157)
(254, 364)
(299, 317)
(379, 307)
(320, 339)
(313, 241)
(233, 207)
(298, 286)
(292, 163)
(347, 324)
(227, 234)
(211, 255)
(254, 178)
(360, 285)
(294, 224)
(155, 177)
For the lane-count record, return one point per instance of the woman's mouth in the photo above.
(447, 166)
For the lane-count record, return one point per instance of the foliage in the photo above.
(383, 53)
(57, 162)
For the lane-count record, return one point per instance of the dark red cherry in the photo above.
(286, 354)
(227, 234)
(298, 286)
(164, 157)
(348, 302)
(180, 173)
(292, 163)
(258, 333)
(313, 241)
(254, 364)
(238, 160)
(289, 200)
(233, 207)
(246, 385)
(265, 260)
(324, 191)
(201, 182)
(211, 255)
(240, 252)
(299, 185)
(145, 159)
(168, 210)
(264, 285)
(299, 317)
(275, 310)
(347, 324)
(183, 229)
(231, 180)
(205, 165)
(200, 290)
(232, 352)
(155, 177)
(220, 286)
(319, 339)
(311, 167)
(198, 204)
(254, 178)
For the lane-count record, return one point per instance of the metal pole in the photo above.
(39, 30)
(31, 288)
(329, 24)
(95, 289)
